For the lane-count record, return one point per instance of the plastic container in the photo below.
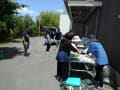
(71, 81)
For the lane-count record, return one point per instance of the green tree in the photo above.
(31, 25)
(8, 9)
(28, 21)
(50, 19)
(3, 31)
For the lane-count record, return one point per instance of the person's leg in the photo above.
(27, 47)
(57, 43)
(65, 71)
(101, 75)
(47, 48)
(61, 70)
(24, 48)
(97, 74)
(58, 68)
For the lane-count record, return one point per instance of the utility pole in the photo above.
(39, 25)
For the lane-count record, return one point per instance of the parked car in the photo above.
(52, 30)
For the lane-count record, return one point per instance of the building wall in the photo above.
(108, 30)
(78, 28)
(64, 23)
(88, 27)
(91, 24)
(109, 33)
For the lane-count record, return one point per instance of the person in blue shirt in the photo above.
(97, 50)
(26, 41)
(58, 37)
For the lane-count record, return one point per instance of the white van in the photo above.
(52, 30)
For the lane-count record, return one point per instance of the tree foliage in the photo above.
(8, 11)
(10, 22)
(22, 22)
(50, 19)
(8, 8)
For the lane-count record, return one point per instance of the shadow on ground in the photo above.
(10, 52)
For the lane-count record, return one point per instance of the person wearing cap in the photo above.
(75, 41)
(63, 56)
(97, 50)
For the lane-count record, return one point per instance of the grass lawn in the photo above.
(13, 40)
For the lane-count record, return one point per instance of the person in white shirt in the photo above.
(75, 41)
(48, 43)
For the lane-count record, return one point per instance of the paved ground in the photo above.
(33, 72)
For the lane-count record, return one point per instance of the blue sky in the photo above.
(36, 6)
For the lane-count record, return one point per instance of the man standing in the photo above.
(58, 37)
(25, 41)
(48, 43)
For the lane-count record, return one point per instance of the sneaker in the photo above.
(25, 53)
(100, 88)
(95, 82)
(58, 77)
(55, 76)
(47, 52)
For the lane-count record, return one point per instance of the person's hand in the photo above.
(82, 51)
(25, 43)
(89, 56)
(78, 54)
(79, 51)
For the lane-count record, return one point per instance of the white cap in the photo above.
(76, 39)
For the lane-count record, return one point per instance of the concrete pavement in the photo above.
(33, 72)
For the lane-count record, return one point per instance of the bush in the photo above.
(37, 34)
(4, 33)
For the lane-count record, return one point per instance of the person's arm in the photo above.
(89, 51)
(24, 40)
(73, 49)
(90, 47)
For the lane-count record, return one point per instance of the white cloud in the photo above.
(26, 11)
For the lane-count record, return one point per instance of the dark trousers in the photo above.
(62, 70)
(48, 47)
(99, 75)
